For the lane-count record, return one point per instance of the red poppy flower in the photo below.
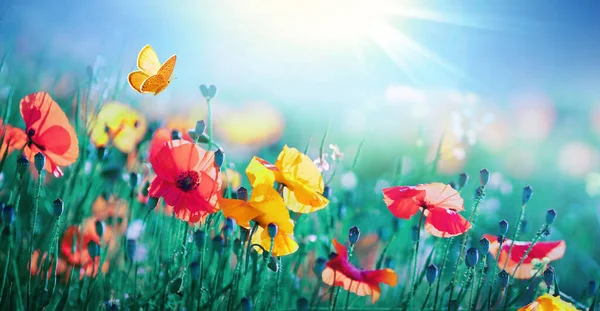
(74, 247)
(47, 130)
(187, 179)
(160, 137)
(340, 272)
(440, 204)
(542, 252)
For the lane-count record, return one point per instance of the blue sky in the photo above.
(508, 46)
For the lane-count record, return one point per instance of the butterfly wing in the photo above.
(166, 70)
(148, 60)
(136, 79)
(154, 84)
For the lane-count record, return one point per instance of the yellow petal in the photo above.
(299, 169)
(239, 210)
(303, 200)
(260, 171)
(268, 201)
(283, 244)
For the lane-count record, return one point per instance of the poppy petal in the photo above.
(403, 201)
(445, 223)
(304, 200)
(295, 165)
(239, 210)
(283, 243)
(175, 157)
(442, 196)
(260, 171)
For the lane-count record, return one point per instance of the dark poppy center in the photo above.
(30, 134)
(188, 181)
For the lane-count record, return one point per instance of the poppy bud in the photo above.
(175, 134)
(8, 214)
(246, 304)
(472, 257)
(591, 288)
(503, 226)
(131, 246)
(272, 263)
(58, 207)
(228, 226)
(388, 262)
(22, 164)
(503, 277)
(302, 304)
(93, 249)
(484, 246)
(527, 193)
(133, 180)
(242, 194)
(550, 216)
(453, 185)
(100, 151)
(549, 276)
(200, 127)
(463, 178)
(195, 270)
(219, 157)
(272, 230)
(200, 239)
(327, 192)
(431, 273)
(319, 266)
(175, 286)
(39, 159)
(218, 244)
(484, 177)
(99, 228)
(152, 202)
(353, 235)
(145, 189)
(415, 233)
(244, 234)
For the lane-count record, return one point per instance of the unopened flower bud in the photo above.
(472, 257)
(200, 239)
(99, 227)
(503, 278)
(228, 226)
(152, 202)
(93, 249)
(22, 164)
(219, 157)
(550, 216)
(453, 185)
(484, 246)
(40, 161)
(246, 304)
(272, 230)
(319, 266)
(431, 273)
(463, 178)
(503, 226)
(175, 286)
(527, 193)
(272, 264)
(58, 207)
(353, 235)
(195, 270)
(200, 127)
(549, 276)
(302, 304)
(484, 177)
(218, 244)
(242, 194)
(175, 134)
(133, 180)
(131, 246)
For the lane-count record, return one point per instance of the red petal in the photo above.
(445, 223)
(442, 196)
(175, 157)
(403, 201)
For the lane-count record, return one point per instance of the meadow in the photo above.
(108, 207)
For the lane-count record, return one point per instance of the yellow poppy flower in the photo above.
(548, 302)
(303, 192)
(264, 207)
(118, 124)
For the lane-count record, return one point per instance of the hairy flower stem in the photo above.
(494, 275)
(429, 289)
(463, 243)
(34, 221)
(413, 283)
(209, 124)
(516, 234)
(264, 272)
(206, 225)
(472, 294)
(480, 282)
(348, 292)
(439, 279)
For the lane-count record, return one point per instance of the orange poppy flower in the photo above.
(187, 179)
(118, 124)
(541, 251)
(113, 212)
(74, 247)
(303, 192)
(47, 130)
(160, 137)
(440, 204)
(264, 207)
(548, 302)
(37, 263)
(340, 272)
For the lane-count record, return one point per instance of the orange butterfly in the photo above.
(152, 76)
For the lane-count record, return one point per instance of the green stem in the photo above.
(35, 214)
(413, 283)
(264, 270)
(209, 124)
(439, 280)
(494, 274)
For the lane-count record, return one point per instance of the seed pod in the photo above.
(302, 304)
(133, 180)
(431, 273)
(40, 161)
(93, 249)
(200, 127)
(353, 235)
(503, 278)
(549, 276)
(242, 194)
(319, 266)
(246, 304)
(484, 246)
(527, 193)
(219, 158)
(503, 227)
(58, 207)
(99, 227)
(550, 216)
(22, 164)
(175, 134)
(272, 229)
(484, 177)
(199, 239)
(472, 257)
(463, 178)
(152, 202)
